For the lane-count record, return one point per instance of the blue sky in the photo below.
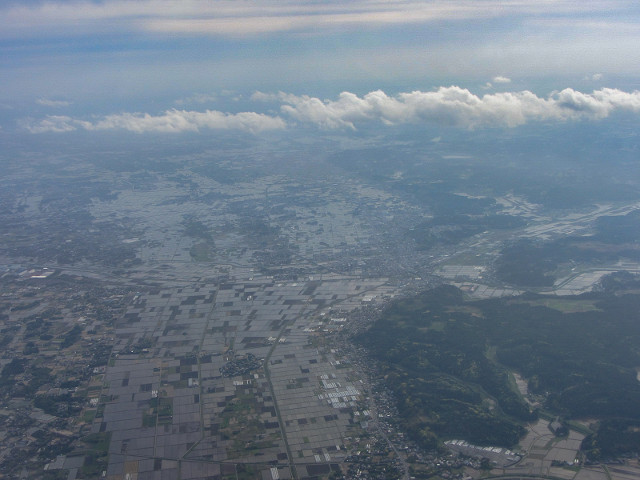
(153, 65)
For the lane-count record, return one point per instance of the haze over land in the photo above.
(319, 240)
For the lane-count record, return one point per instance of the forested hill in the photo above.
(448, 361)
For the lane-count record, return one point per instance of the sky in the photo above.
(199, 66)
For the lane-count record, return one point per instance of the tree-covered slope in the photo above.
(448, 361)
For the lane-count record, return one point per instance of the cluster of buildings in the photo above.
(239, 366)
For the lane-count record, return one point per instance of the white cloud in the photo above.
(52, 103)
(265, 97)
(456, 106)
(53, 123)
(501, 79)
(171, 121)
(452, 106)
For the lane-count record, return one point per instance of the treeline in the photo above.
(585, 361)
(613, 438)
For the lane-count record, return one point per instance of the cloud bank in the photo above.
(171, 121)
(455, 106)
(450, 106)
